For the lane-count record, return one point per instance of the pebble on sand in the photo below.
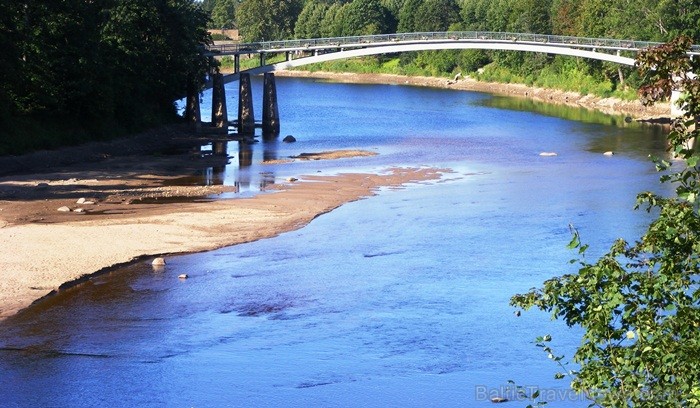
(158, 262)
(64, 209)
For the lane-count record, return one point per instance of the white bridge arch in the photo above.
(317, 50)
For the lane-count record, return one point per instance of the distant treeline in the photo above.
(651, 20)
(76, 70)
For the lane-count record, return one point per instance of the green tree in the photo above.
(407, 16)
(265, 20)
(367, 17)
(679, 17)
(60, 60)
(155, 47)
(593, 18)
(436, 15)
(71, 71)
(474, 15)
(639, 304)
(332, 23)
(565, 16)
(310, 20)
(531, 16)
(207, 5)
(10, 61)
(394, 7)
(223, 14)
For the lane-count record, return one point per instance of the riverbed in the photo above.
(399, 299)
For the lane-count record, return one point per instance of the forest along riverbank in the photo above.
(611, 106)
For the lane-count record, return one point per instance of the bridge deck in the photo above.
(319, 44)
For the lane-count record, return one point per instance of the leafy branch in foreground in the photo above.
(639, 304)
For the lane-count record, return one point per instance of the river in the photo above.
(400, 299)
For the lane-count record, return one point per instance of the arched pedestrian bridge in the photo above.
(303, 52)
(310, 51)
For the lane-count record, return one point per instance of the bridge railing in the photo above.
(477, 36)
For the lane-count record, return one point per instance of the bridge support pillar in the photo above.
(236, 63)
(246, 117)
(271, 116)
(219, 113)
(192, 112)
(220, 148)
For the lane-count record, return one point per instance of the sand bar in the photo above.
(43, 248)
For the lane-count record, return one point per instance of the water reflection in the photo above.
(247, 172)
(578, 114)
(617, 133)
(214, 176)
(244, 167)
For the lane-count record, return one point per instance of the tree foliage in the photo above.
(77, 70)
(223, 14)
(435, 15)
(407, 16)
(639, 304)
(310, 21)
(367, 17)
(266, 20)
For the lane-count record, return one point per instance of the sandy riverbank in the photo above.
(44, 249)
(42, 254)
(612, 106)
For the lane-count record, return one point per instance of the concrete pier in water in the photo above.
(219, 112)
(246, 116)
(271, 116)
(192, 111)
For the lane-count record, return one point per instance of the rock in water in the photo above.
(158, 262)
(183, 276)
(289, 139)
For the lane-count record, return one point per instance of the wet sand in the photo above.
(44, 249)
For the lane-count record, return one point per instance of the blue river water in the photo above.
(400, 299)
